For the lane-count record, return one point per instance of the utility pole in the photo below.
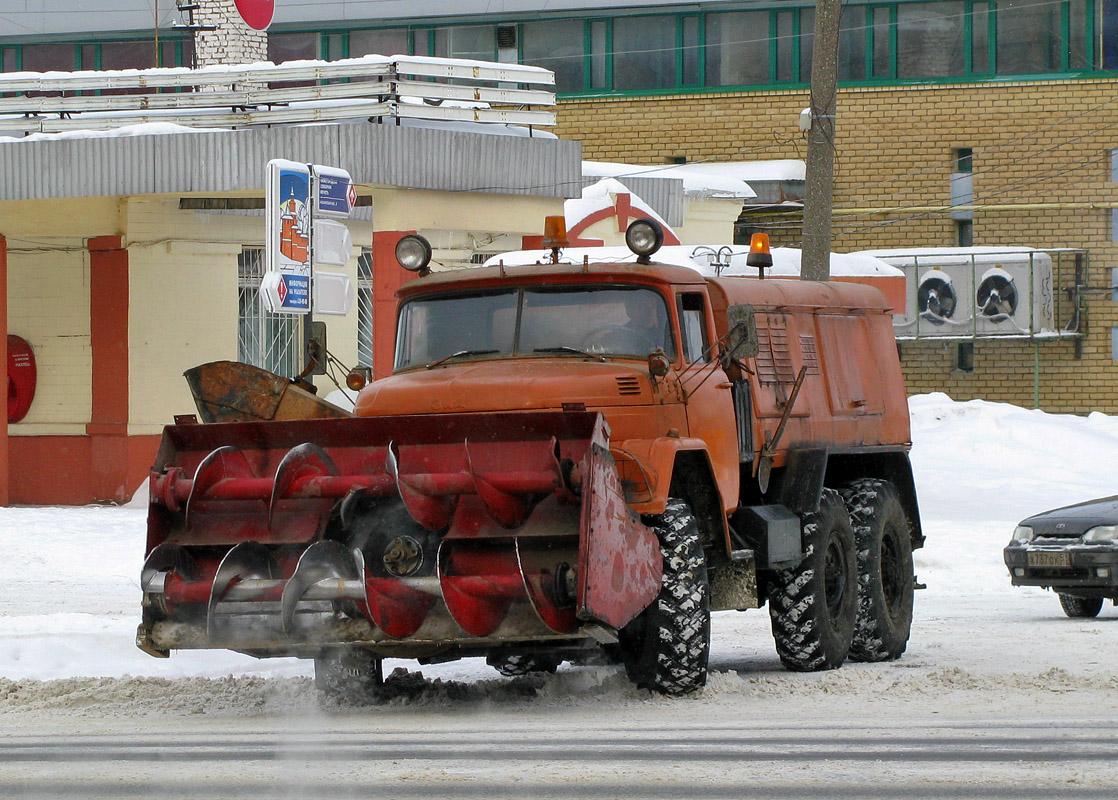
(815, 262)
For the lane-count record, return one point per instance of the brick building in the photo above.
(984, 122)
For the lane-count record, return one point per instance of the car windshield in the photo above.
(597, 320)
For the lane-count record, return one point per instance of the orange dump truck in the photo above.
(568, 463)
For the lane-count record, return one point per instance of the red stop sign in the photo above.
(257, 13)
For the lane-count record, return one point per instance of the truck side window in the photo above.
(693, 327)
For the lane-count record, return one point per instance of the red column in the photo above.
(388, 276)
(5, 494)
(108, 328)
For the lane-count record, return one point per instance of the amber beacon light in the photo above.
(759, 254)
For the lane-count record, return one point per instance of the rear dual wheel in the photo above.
(812, 606)
(666, 647)
(883, 540)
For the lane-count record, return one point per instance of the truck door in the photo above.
(710, 404)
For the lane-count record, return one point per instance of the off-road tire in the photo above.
(812, 606)
(883, 539)
(523, 664)
(347, 675)
(1080, 607)
(666, 647)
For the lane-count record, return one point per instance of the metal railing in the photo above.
(370, 87)
(266, 340)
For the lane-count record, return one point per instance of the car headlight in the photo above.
(1102, 533)
(1023, 534)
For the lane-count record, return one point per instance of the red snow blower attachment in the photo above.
(414, 536)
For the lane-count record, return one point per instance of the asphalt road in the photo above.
(514, 754)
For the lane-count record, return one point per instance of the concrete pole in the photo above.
(816, 256)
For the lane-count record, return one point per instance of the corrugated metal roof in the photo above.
(228, 161)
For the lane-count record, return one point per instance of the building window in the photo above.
(557, 46)
(964, 233)
(1114, 344)
(466, 41)
(1114, 211)
(964, 357)
(930, 39)
(365, 308)
(737, 48)
(266, 340)
(644, 53)
(980, 19)
(380, 42)
(292, 47)
(1030, 36)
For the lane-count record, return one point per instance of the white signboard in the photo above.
(288, 237)
(333, 246)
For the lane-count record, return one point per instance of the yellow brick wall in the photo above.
(1034, 142)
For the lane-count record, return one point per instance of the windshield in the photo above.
(598, 320)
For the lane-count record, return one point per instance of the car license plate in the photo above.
(1049, 559)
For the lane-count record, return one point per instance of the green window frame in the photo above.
(1072, 44)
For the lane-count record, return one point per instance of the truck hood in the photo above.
(507, 385)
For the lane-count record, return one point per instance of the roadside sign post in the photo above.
(295, 193)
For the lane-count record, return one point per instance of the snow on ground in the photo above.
(70, 599)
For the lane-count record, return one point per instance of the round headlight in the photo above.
(1023, 534)
(1102, 533)
(644, 236)
(413, 252)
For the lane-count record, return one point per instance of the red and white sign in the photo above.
(257, 13)
(21, 378)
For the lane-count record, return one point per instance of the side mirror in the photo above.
(742, 339)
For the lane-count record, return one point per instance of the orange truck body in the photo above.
(516, 487)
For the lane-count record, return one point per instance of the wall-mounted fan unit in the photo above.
(937, 299)
(968, 291)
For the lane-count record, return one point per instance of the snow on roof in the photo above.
(163, 128)
(710, 179)
(598, 196)
(942, 256)
(786, 260)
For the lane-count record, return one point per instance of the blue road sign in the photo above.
(294, 293)
(335, 195)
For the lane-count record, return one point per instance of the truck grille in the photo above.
(628, 386)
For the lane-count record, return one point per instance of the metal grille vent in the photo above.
(506, 36)
(774, 361)
(809, 353)
(628, 386)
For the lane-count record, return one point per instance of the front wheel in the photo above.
(885, 579)
(666, 647)
(812, 607)
(1081, 607)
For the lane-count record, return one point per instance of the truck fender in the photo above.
(673, 464)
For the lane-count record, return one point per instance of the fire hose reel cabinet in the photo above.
(21, 378)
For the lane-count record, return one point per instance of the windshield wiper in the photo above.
(566, 349)
(459, 354)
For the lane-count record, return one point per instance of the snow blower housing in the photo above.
(569, 462)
